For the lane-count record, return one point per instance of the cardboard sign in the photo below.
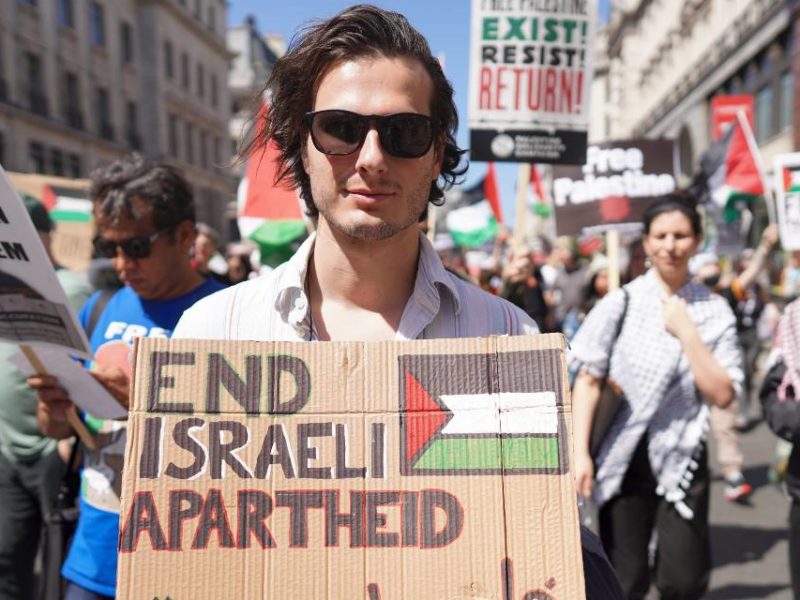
(724, 110)
(530, 73)
(428, 469)
(786, 169)
(34, 308)
(615, 186)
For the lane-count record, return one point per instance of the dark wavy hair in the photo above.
(357, 32)
(161, 187)
(682, 201)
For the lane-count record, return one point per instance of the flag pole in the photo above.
(612, 254)
(769, 197)
(521, 210)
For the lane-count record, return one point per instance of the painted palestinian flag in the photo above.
(472, 216)
(67, 204)
(268, 214)
(729, 173)
(454, 423)
(540, 203)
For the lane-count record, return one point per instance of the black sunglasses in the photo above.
(133, 247)
(341, 132)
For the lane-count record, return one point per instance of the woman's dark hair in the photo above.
(680, 201)
(361, 31)
(161, 187)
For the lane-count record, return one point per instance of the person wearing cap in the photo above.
(30, 465)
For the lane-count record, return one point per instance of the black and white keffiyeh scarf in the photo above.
(788, 343)
(649, 365)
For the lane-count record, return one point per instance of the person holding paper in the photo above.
(364, 121)
(146, 225)
(675, 356)
(30, 464)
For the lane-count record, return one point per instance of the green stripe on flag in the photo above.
(70, 216)
(449, 453)
(475, 238)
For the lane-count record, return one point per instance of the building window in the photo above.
(188, 134)
(201, 81)
(217, 151)
(97, 25)
(2, 149)
(212, 19)
(126, 43)
(75, 165)
(66, 17)
(57, 161)
(204, 149)
(27, 2)
(33, 86)
(103, 112)
(132, 126)
(169, 65)
(764, 114)
(787, 100)
(214, 90)
(198, 9)
(36, 156)
(173, 135)
(185, 79)
(72, 101)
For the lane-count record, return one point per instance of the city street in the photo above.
(749, 542)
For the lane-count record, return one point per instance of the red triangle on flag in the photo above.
(491, 192)
(424, 417)
(265, 199)
(741, 170)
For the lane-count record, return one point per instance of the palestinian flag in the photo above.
(268, 214)
(730, 173)
(454, 423)
(540, 203)
(67, 204)
(472, 216)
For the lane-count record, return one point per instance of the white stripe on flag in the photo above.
(504, 413)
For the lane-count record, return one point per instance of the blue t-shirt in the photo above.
(92, 559)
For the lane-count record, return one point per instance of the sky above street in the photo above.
(445, 23)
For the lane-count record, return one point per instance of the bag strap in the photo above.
(620, 323)
(102, 301)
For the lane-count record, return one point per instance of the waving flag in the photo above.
(472, 215)
(730, 172)
(463, 424)
(268, 214)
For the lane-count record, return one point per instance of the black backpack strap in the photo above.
(98, 308)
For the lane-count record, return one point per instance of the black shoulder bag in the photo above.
(58, 523)
(612, 399)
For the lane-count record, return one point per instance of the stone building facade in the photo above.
(83, 82)
(666, 59)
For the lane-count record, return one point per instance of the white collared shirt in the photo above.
(275, 307)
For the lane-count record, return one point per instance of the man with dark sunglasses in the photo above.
(364, 122)
(146, 225)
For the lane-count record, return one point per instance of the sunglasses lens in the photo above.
(337, 132)
(105, 248)
(406, 135)
(138, 247)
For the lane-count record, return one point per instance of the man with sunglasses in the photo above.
(146, 225)
(364, 122)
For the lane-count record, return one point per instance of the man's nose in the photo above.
(371, 155)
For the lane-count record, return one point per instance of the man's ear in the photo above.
(438, 156)
(185, 232)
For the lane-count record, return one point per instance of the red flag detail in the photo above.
(741, 171)
(423, 416)
(491, 193)
(265, 199)
(538, 188)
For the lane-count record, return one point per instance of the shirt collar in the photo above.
(292, 303)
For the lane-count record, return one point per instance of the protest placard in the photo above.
(33, 306)
(530, 72)
(426, 469)
(615, 186)
(786, 173)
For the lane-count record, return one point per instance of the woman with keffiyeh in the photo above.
(779, 397)
(676, 354)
